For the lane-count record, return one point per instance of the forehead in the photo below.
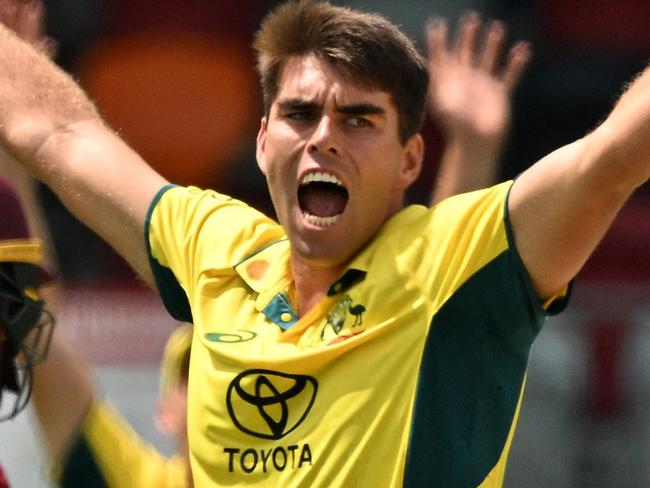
(312, 79)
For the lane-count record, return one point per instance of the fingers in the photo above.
(436, 34)
(518, 58)
(494, 38)
(27, 19)
(30, 20)
(478, 47)
(34, 25)
(468, 30)
(8, 12)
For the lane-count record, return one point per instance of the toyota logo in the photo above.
(269, 404)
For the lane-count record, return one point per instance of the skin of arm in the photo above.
(61, 397)
(469, 96)
(562, 206)
(48, 125)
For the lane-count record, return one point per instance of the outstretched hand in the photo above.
(27, 20)
(470, 88)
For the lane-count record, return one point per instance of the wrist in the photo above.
(474, 147)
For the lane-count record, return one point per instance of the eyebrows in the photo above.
(300, 104)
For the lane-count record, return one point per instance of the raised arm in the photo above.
(469, 96)
(562, 206)
(49, 125)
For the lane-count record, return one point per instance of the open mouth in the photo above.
(322, 198)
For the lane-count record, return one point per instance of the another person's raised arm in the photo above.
(470, 92)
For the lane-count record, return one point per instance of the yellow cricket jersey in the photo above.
(409, 372)
(109, 454)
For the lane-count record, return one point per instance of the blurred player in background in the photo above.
(26, 262)
(90, 444)
(25, 323)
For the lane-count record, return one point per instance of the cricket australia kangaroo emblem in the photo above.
(343, 321)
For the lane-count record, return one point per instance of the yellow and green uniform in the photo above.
(408, 373)
(109, 454)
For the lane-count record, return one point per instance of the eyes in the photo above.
(308, 117)
(359, 122)
(301, 116)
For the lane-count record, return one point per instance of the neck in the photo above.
(311, 282)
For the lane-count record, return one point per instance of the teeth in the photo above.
(320, 176)
(321, 221)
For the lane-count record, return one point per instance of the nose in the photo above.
(324, 138)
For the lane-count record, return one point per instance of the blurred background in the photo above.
(177, 80)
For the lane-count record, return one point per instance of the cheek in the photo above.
(273, 178)
(275, 154)
(384, 168)
(282, 157)
(382, 152)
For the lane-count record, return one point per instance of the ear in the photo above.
(261, 146)
(414, 154)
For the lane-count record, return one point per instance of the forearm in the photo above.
(466, 165)
(36, 99)
(105, 184)
(61, 397)
(621, 145)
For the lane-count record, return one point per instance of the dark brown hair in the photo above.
(365, 47)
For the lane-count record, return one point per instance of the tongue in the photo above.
(322, 199)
